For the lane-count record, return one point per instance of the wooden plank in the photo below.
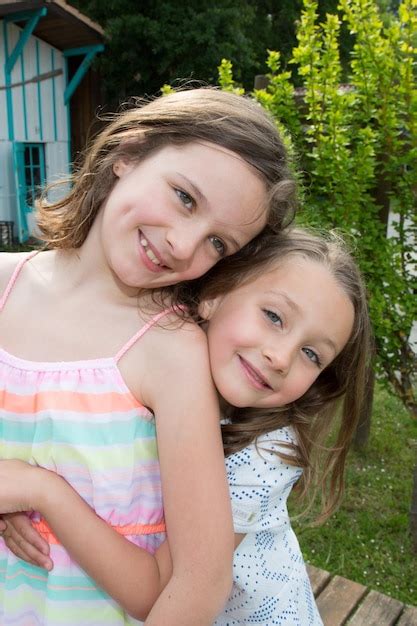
(318, 578)
(409, 617)
(35, 79)
(377, 610)
(338, 600)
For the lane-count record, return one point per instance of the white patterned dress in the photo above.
(270, 582)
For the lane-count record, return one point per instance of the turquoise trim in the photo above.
(90, 52)
(25, 118)
(54, 95)
(68, 113)
(19, 173)
(73, 52)
(32, 18)
(8, 82)
(38, 70)
(29, 168)
(22, 16)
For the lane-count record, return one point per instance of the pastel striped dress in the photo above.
(80, 420)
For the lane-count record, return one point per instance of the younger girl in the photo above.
(165, 192)
(288, 336)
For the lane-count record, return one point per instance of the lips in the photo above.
(150, 255)
(254, 375)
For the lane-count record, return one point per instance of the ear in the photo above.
(121, 167)
(207, 308)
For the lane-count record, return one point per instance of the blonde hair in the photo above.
(333, 403)
(206, 114)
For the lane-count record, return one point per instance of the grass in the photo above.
(368, 539)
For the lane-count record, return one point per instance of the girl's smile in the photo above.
(270, 338)
(175, 214)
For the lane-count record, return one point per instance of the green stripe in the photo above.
(105, 458)
(88, 432)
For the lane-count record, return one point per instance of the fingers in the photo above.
(24, 541)
(2, 525)
(28, 554)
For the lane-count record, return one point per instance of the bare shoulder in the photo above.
(173, 354)
(8, 262)
(177, 342)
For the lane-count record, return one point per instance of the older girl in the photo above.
(288, 337)
(165, 192)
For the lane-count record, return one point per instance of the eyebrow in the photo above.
(203, 200)
(201, 197)
(281, 294)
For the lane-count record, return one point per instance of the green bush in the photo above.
(355, 147)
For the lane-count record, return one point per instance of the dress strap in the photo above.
(14, 276)
(142, 331)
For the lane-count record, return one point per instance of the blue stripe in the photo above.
(88, 433)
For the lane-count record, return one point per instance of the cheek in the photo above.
(302, 383)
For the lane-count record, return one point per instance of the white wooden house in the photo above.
(46, 49)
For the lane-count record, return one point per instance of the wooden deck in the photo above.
(342, 601)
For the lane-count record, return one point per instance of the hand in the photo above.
(24, 541)
(21, 486)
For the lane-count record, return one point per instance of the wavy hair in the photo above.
(332, 405)
(205, 114)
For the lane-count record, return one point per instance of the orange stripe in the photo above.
(44, 529)
(67, 401)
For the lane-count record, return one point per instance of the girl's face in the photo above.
(174, 215)
(271, 338)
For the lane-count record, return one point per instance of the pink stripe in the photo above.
(141, 332)
(13, 278)
(68, 401)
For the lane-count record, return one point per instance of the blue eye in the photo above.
(273, 317)
(218, 245)
(186, 199)
(313, 356)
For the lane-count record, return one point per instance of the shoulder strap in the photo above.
(13, 278)
(142, 331)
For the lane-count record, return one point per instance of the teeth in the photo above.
(151, 256)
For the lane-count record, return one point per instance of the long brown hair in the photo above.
(206, 114)
(332, 404)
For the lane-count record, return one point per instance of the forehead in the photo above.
(294, 272)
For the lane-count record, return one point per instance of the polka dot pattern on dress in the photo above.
(271, 586)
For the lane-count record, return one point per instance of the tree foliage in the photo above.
(153, 42)
(357, 148)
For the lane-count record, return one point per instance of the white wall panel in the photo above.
(56, 161)
(7, 182)
(3, 104)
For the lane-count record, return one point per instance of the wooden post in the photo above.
(261, 81)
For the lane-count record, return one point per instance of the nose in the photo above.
(183, 244)
(279, 358)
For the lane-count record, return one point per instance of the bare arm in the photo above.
(198, 513)
(195, 491)
(132, 576)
